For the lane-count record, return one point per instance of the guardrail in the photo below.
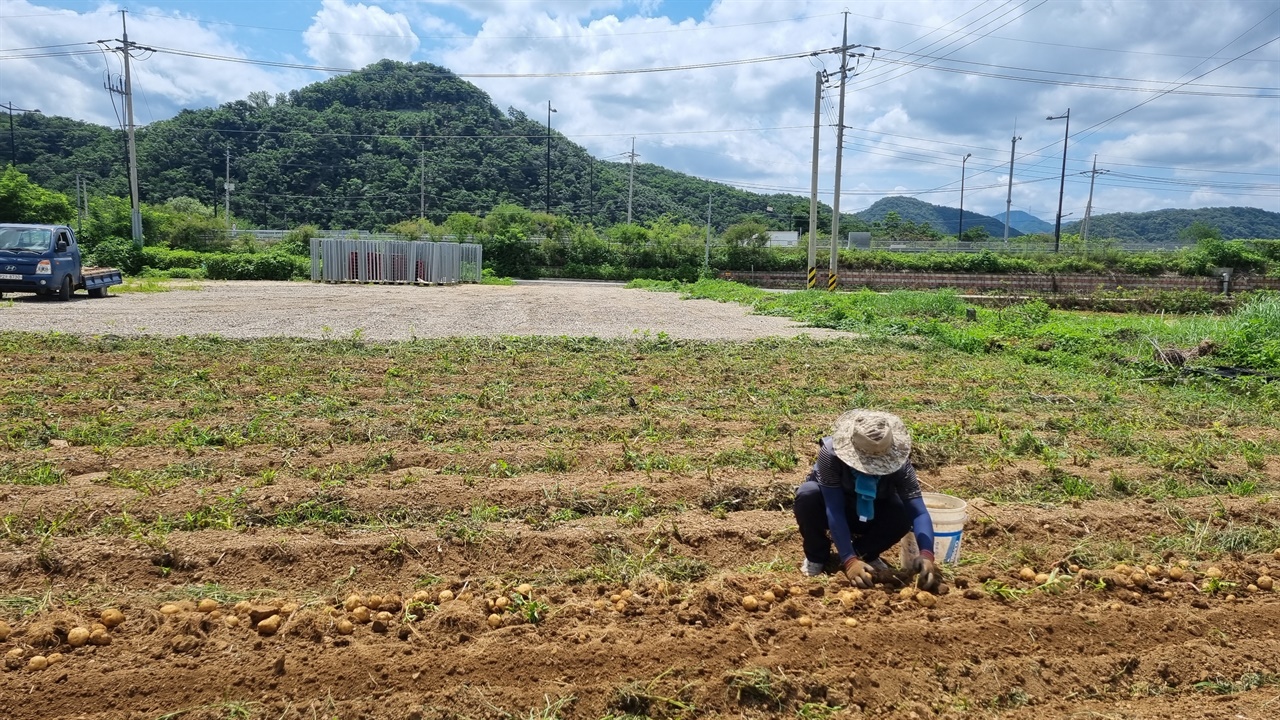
(395, 261)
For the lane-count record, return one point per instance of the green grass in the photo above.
(39, 473)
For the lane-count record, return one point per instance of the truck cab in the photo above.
(45, 259)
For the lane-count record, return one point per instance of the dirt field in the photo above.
(251, 507)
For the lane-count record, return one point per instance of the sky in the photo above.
(1179, 101)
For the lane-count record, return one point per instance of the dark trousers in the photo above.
(869, 538)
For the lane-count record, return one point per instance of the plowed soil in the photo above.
(641, 489)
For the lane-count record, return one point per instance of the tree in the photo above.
(746, 234)
(22, 201)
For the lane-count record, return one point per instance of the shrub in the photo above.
(256, 266)
(162, 258)
(116, 252)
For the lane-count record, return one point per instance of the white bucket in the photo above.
(948, 514)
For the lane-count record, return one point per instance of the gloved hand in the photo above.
(858, 572)
(928, 576)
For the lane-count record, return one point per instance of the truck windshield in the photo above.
(24, 238)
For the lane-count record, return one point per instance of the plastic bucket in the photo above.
(948, 514)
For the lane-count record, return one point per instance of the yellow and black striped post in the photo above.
(813, 277)
(831, 282)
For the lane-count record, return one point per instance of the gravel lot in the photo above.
(395, 312)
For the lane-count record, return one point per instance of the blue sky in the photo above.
(952, 78)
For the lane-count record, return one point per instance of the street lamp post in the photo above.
(549, 111)
(13, 146)
(960, 232)
(1062, 183)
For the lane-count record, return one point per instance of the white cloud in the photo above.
(343, 35)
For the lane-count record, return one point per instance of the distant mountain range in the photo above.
(945, 220)
(1235, 223)
(1027, 223)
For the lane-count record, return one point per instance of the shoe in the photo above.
(812, 569)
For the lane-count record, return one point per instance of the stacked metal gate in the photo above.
(394, 261)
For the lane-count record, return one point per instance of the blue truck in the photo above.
(45, 260)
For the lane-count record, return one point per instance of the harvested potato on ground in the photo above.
(502, 602)
(795, 591)
(422, 596)
(241, 607)
(38, 662)
(361, 614)
(207, 605)
(1152, 570)
(1176, 573)
(769, 596)
(345, 627)
(1027, 574)
(385, 616)
(1265, 582)
(907, 593)
(850, 622)
(351, 603)
(78, 637)
(1139, 579)
(445, 596)
(373, 601)
(112, 617)
(1214, 573)
(495, 620)
(289, 608)
(54, 658)
(269, 625)
(524, 589)
(750, 603)
(99, 637)
(1041, 578)
(805, 621)
(232, 621)
(926, 599)
(170, 609)
(5, 631)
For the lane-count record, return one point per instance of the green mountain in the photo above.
(370, 149)
(1235, 223)
(943, 219)
(1028, 224)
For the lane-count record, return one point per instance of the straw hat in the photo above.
(871, 442)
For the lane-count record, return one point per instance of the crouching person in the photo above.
(864, 492)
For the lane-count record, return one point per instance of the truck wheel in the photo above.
(99, 292)
(64, 293)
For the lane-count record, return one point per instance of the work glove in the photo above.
(858, 572)
(927, 574)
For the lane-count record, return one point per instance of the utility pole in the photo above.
(125, 49)
(227, 187)
(706, 257)
(422, 183)
(1062, 184)
(835, 199)
(813, 185)
(1088, 208)
(960, 232)
(81, 202)
(13, 144)
(549, 111)
(1008, 201)
(591, 186)
(631, 182)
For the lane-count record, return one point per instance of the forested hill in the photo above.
(1235, 223)
(346, 153)
(944, 219)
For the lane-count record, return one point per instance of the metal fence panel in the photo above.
(365, 260)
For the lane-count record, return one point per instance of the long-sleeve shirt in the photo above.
(836, 480)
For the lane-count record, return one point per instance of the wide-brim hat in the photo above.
(871, 442)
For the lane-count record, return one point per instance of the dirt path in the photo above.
(252, 309)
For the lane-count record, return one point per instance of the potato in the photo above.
(615, 597)
(269, 625)
(795, 591)
(1073, 568)
(445, 596)
(805, 621)
(1251, 588)
(170, 609)
(495, 620)
(112, 617)
(55, 658)
(850, 622)
(502, 602)
(1041, 578)
(1138, 578)
(1265, 582)
(5, 631)
(352, 602)
(99, 637)
(241, 607)
(750, 603)
(1027, 574)
(361, 614)
(385, 616)
(620, 606)
(1176, 573)
(232, 621)
(289, 608)
(1276, 553)
(778, 591)
(1231, 598)
(372, 601)
(926, 599)
(422, 596)
(907, 593)
(626, 594)
(78, 637)
(37, 662)
(1123, 569)
(345, 627)
(1152, 570)
(600, 604)
(768, 597)
(1213, 573)
(524, 589)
